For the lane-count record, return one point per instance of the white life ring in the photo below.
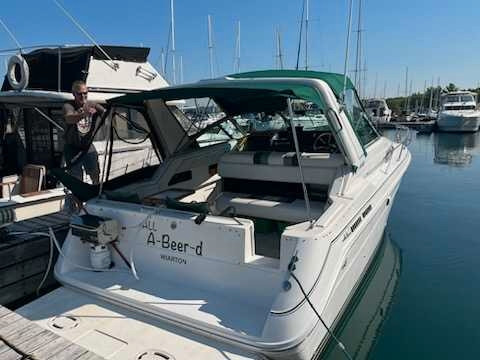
(22, 83)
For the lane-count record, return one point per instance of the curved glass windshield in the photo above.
(361, 124)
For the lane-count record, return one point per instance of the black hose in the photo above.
(340, 345)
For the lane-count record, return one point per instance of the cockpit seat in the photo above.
(269, 207)
(266, 184)
(318, 168)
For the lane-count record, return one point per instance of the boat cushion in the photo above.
(318, 168)
(269, 207)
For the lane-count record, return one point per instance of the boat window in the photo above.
(467, 98)
(460, 107)
(361, 124)
(132, 146)
(451, 98)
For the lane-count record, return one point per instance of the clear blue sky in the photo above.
(434, 38)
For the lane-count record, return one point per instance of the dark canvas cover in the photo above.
(43, 64)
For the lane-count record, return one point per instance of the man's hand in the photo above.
(89, 109)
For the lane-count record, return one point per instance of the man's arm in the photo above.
(100, 109)
(71, 115)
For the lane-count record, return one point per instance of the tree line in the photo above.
(420, 101)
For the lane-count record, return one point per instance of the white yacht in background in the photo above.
(378, 111)
(250, 248)
(459, 112)
(37, 84)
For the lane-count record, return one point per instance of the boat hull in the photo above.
(368, 242)
(458, 121)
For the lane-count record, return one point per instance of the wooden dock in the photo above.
(21, 339)
(24, 258)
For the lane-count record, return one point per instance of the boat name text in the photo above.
(165, 242)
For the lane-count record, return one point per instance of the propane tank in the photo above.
(100, 257)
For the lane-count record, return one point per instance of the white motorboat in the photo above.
(459, 112)
(37, 84)
(378, 111)
(245, 252)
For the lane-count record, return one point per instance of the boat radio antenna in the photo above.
(11, 34)
(114, 65)
(347, 48)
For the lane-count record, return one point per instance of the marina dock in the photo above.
(414, 125)
(24, 256)
(22, 339)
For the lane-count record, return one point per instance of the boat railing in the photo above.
(403, 136)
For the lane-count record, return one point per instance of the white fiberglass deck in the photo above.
(116, 333)
(180, 299)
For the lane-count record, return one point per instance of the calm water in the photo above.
(429, 307)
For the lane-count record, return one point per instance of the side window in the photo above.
(132, 148)
(362, 126)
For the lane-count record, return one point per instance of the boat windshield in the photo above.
(208, 125)
(360, 121)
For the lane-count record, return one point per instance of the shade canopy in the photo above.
(238, 97)
(74, 64)
(335, 81)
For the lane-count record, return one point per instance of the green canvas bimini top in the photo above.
(335, 81)
(249, 95)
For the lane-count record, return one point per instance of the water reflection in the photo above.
(362, 322)
(456, 149)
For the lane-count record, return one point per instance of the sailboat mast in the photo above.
(278, 49)
(236, 67)
(439, 93)
(181, 69)
(210, 45)
(306, 33)
(431, 98)
(347, 48)
(172, 22)
(409, 95)
(423, 96)
(162, 59)
(358, 60)
(406, 89)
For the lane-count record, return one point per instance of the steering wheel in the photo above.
(325, 142)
